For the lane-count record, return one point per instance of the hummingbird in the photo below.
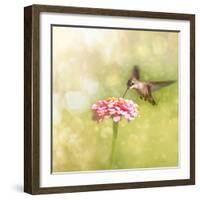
(145, 88)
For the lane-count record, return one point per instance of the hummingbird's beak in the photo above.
(125, 92)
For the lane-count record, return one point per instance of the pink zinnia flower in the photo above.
(114, 108)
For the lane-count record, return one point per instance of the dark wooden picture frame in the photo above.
(32, 98)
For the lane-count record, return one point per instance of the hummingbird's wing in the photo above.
(136, 72)
(156, 85)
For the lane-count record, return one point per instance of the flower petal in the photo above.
(116, 118)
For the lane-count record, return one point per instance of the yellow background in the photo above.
(91, 64)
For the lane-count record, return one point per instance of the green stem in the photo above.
(115, 131)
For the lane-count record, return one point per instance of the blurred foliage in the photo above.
(92, 64)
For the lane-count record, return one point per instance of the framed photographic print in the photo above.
(109, 99)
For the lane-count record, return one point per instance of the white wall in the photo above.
(11, 99)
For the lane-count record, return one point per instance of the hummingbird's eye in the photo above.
(130, 83)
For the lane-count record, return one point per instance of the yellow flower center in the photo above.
(112, 99)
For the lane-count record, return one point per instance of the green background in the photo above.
(91, 64)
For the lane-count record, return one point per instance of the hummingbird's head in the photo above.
(131, 83)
